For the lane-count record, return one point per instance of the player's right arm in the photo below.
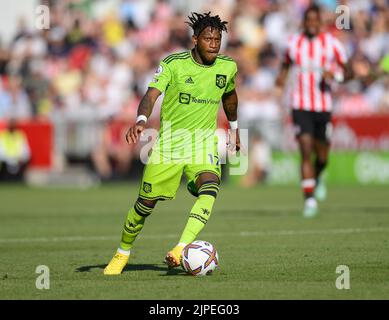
(162, 79)
(283, 73)
(145, 108)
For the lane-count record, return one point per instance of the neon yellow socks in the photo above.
(134, 224)
(200, 212)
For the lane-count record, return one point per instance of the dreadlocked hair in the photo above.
(199, 22)
(314, 8)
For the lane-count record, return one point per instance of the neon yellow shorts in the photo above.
(161, 181)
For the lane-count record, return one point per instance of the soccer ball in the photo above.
(200, 258)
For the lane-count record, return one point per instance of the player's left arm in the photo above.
(230, 106)
(345, 75)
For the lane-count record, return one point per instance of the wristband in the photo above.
(141, 117)
(234, 125)
(339, 77)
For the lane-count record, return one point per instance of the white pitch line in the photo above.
(172, 236)
(313, 232)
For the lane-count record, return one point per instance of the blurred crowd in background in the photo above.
(95, 61)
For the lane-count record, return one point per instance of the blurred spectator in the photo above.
(39, 90)
(4, 59)
(259, 162)
(259, 110)
(14, 102)
(95, 52)
(112, 156)
(14, 152)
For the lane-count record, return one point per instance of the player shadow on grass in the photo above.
(135, 267)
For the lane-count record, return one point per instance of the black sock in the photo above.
(319, 167)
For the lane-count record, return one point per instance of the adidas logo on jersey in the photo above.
(189, 80)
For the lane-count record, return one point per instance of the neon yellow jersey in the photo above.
(14, 144)
(192, 98)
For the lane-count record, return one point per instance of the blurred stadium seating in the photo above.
(91, 67)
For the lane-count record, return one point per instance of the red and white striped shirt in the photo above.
(309, 58)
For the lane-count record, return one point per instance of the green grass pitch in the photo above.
(267, 250)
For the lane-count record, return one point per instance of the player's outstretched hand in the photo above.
(327, 75)
(233, 144)
(133, 134)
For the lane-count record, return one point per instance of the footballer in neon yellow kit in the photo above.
(194, 83)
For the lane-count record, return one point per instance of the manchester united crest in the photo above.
(147, 187)
(221, 80)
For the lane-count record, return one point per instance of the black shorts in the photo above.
(316, 124)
